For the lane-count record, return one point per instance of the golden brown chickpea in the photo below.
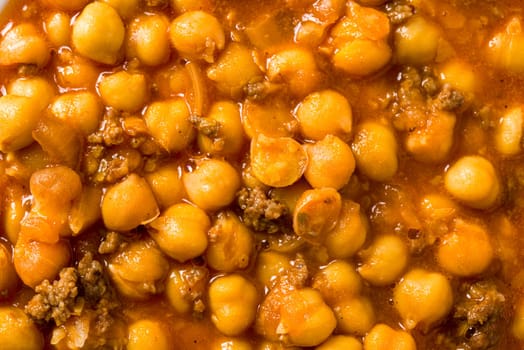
(24, 44)
(340, 342)
(58, 28)
(384, 337)
(81, 109)
(8, 276)
(37, 88)
(18, 117)
(181, 6)
(74, 71)
(505, 47)
(270, 265)
(231, 344)
(355, 315)
(350, 232)
(272, 118)
(14, 211)
(67, 5)
(166, 184)
(186, 287)
(125, 8)
(148, 39)
(337, 281)
(17, 330)
(148, 334)
(417, 41)
(124, 91)
(85, 210)
(508, 132)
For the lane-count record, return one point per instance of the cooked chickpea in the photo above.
(272, 118)
(124, 91)
(459, 75)
(508, 132)
(517, 327)
(337, 281)
(14, 211)
(181, 6)
(67, 5)
(85, 210)
(181, 231)
(233, 302)
(234, 69)
(350, 232)
(277, 161)
(375, 151)
(384, 261)
(185, 288)
(58, 28)
(98, 33)
(340, 342)
(331, 163)
(125, 8)
(24, 44)
(422, 298)
(230, 243)
(18, 117)
(168, 122)
(230, 137)
(37, 88)
(8, 276)
(474, 181)
(212, 185)
(505, 48)
(417, 41)
(323, 113)
(437, 206)
(466, 250)
(362, 57)
(297, 68)
(17, 330)
(74, 71)
(148, 334)
(166, 184)
(81, 109)
(232, 344)
(270, 265)
(354, 315)
(384, 337)
(148, 39)
(197, 35)
(128, 204)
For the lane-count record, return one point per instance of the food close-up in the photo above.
(262, 175)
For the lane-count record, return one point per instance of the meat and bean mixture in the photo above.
(262, 175)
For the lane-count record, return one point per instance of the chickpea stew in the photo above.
(261, 175)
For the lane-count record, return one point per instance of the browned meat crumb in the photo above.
(111, 243)
(399, 11)
(260, 212)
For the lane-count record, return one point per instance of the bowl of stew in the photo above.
(261, 175)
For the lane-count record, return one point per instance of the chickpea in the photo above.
(297, 68)
(277, 345)
(459, 75)
(125, 8)
(148, 39)
(375, 150)
(437, 207)
(422, 298)
(277, 161)
(362, 57)
(474, 181)
(350, 232)
(124, 91)
(98, 33)
(340, 342)
(14, 210)
(85, 211)
(185, 288)
(147, 334)
(517, 328)
(271, 118)
(331, 163)
(58, 28)
(270, 265)
(24, 44)
(197, 35)
(128, 204)
(168, 122)
(337, 281)
(37, 88)
(316, 213)
(505, 48)
(8, 276)
(18, 117)
(289, 195)
(230, 243)
(17, 330)
(508, 132)
(354, 315)
(234, 69)
(181, 231)
(77, 72)
(181, 6)
(166, 184)
(384, 337)
(466, 250)
(212, 185)
(232, 344)
(67, 5)
(384, 261)
(81, 109)
(233, 302)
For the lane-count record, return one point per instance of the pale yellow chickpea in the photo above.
(148, 39)
(384, 261)
(508, 132)
(181, 6)
(37, 88)
(124, 91)
(505, 48)
(197, 35)
(297, 68)
(355, 315)
(466, 250)
(24, 44)
(128, 204)
(19, 115)
(331, 163)
(337, 281)
(148, 334)
(350, 232)
(168, 122)
(417, 41)
(234, 69)
(270, 265)
(323, 113)
(231, 344)
(230, 137)
(375, 149)
(383, 336)
(517, 326)
(362, 57)
(125, 8)
(230, 243)
(166, 184)
(98, 33)
(67, 5)
(181, 231)
(233, 302)
(212, 184)
(422, 298)
(8, 277)
(340, 342)
(474, 181)
(186, 287)
(81, 109)
(58, 28)
(17, 330)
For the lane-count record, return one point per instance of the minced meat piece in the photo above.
(206, 126)
(92, 279)
(110, 244)
(260, 212)
(399, 11)
(448, 99)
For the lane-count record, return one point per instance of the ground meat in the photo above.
(93, 282)
(260, 212)
(399, 11)
(111, 242)
(448, 99)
